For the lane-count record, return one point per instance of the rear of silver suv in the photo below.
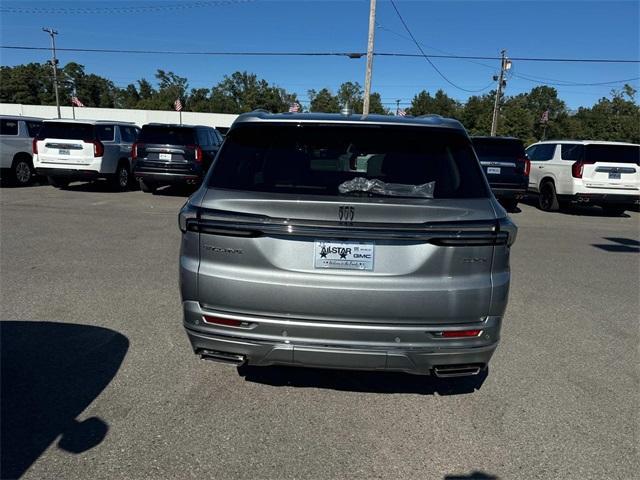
(346, 242)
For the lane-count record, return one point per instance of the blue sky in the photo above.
(568, 29)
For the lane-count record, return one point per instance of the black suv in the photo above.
(170, 154)
(506, 166)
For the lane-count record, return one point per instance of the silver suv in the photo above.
(350, 242)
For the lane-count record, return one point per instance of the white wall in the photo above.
(140, 117)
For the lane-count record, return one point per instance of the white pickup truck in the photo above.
(16, 137)
(586, 172)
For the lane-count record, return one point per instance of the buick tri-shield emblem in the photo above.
(346, 214)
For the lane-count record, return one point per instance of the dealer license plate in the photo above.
(165, 156)
(64, 151)
(614, 176)
(343, 255)
(493, 170)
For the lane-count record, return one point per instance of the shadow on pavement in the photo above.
(619, 245)
(50, 372)
(361, 381)
(472, 476)
(577, 210)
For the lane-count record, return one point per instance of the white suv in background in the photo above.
(72, 150)
(585, 172)
(16, 133)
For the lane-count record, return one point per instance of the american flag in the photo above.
(294, 108)
(75, 101)
(177, 105)
(545, 117)
(401, 112)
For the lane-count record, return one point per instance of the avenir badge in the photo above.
(343, 255)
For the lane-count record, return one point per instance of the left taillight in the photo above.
(198, 153)
(134, 151)
(34, 146)
(98, 147)
(188, 213)
(526, 166)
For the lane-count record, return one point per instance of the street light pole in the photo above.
(54, 64)
(367, 79)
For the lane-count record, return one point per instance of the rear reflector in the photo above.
(228, 322)
(460, 333)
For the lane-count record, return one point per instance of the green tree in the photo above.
(323, 101)
(440, 104)
(476, 114)
(244, 92)
(351, 94)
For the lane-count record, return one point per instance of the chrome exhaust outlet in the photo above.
(447, 371)
(223, 357)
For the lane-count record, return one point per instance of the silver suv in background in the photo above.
(72, 150)
(16, 134)
(347, 242)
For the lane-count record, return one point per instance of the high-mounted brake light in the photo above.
(460, 333)
(34, 146)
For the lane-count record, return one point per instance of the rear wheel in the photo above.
(22, 171)
(58, 182)
(613, 210)
(148, 186)
(509, 204)
(120, 180)
(548, 200)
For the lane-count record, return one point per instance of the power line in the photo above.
(114, 10)
(563, 83)
(393, 4)
(354, 55)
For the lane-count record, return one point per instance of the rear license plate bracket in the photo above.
(64, 151)
(164, 156)
(614, 176)
(493, 170)
(343, 255)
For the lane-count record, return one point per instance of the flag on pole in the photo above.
(75, 101)
(294, 107)
(402, 112)
(177, 105)
(545, 117)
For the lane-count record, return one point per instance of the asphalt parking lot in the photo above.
(99, 381)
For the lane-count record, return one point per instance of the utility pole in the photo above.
(505, 64)
(397, 107)
(367, 78)
(54, 64)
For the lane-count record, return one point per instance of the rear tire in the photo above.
(148, 186)
(58, 182)
(547, 199)
(509, 204)
(21, 172)
(121, 179)
(613, 210)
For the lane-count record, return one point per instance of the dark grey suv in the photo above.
(346, 242)
(169, 154)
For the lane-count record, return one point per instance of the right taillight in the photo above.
(34, 146)
(134, 151)
(526, 165)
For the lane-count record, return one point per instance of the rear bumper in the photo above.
(601, 199)
(71, 174)
(405, 348)
(517, 192)
(168, 178)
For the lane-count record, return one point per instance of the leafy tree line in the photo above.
(616, 117)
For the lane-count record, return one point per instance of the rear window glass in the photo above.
(572, 151)
(34, 128)
(612, 153)
(489, 149)
(105, 132)
(66, 131)
(8, 127)
(167, 135)
(316, 159)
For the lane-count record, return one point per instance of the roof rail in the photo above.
(427, 115)
(261, 110)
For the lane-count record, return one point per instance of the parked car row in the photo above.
(559, 173)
